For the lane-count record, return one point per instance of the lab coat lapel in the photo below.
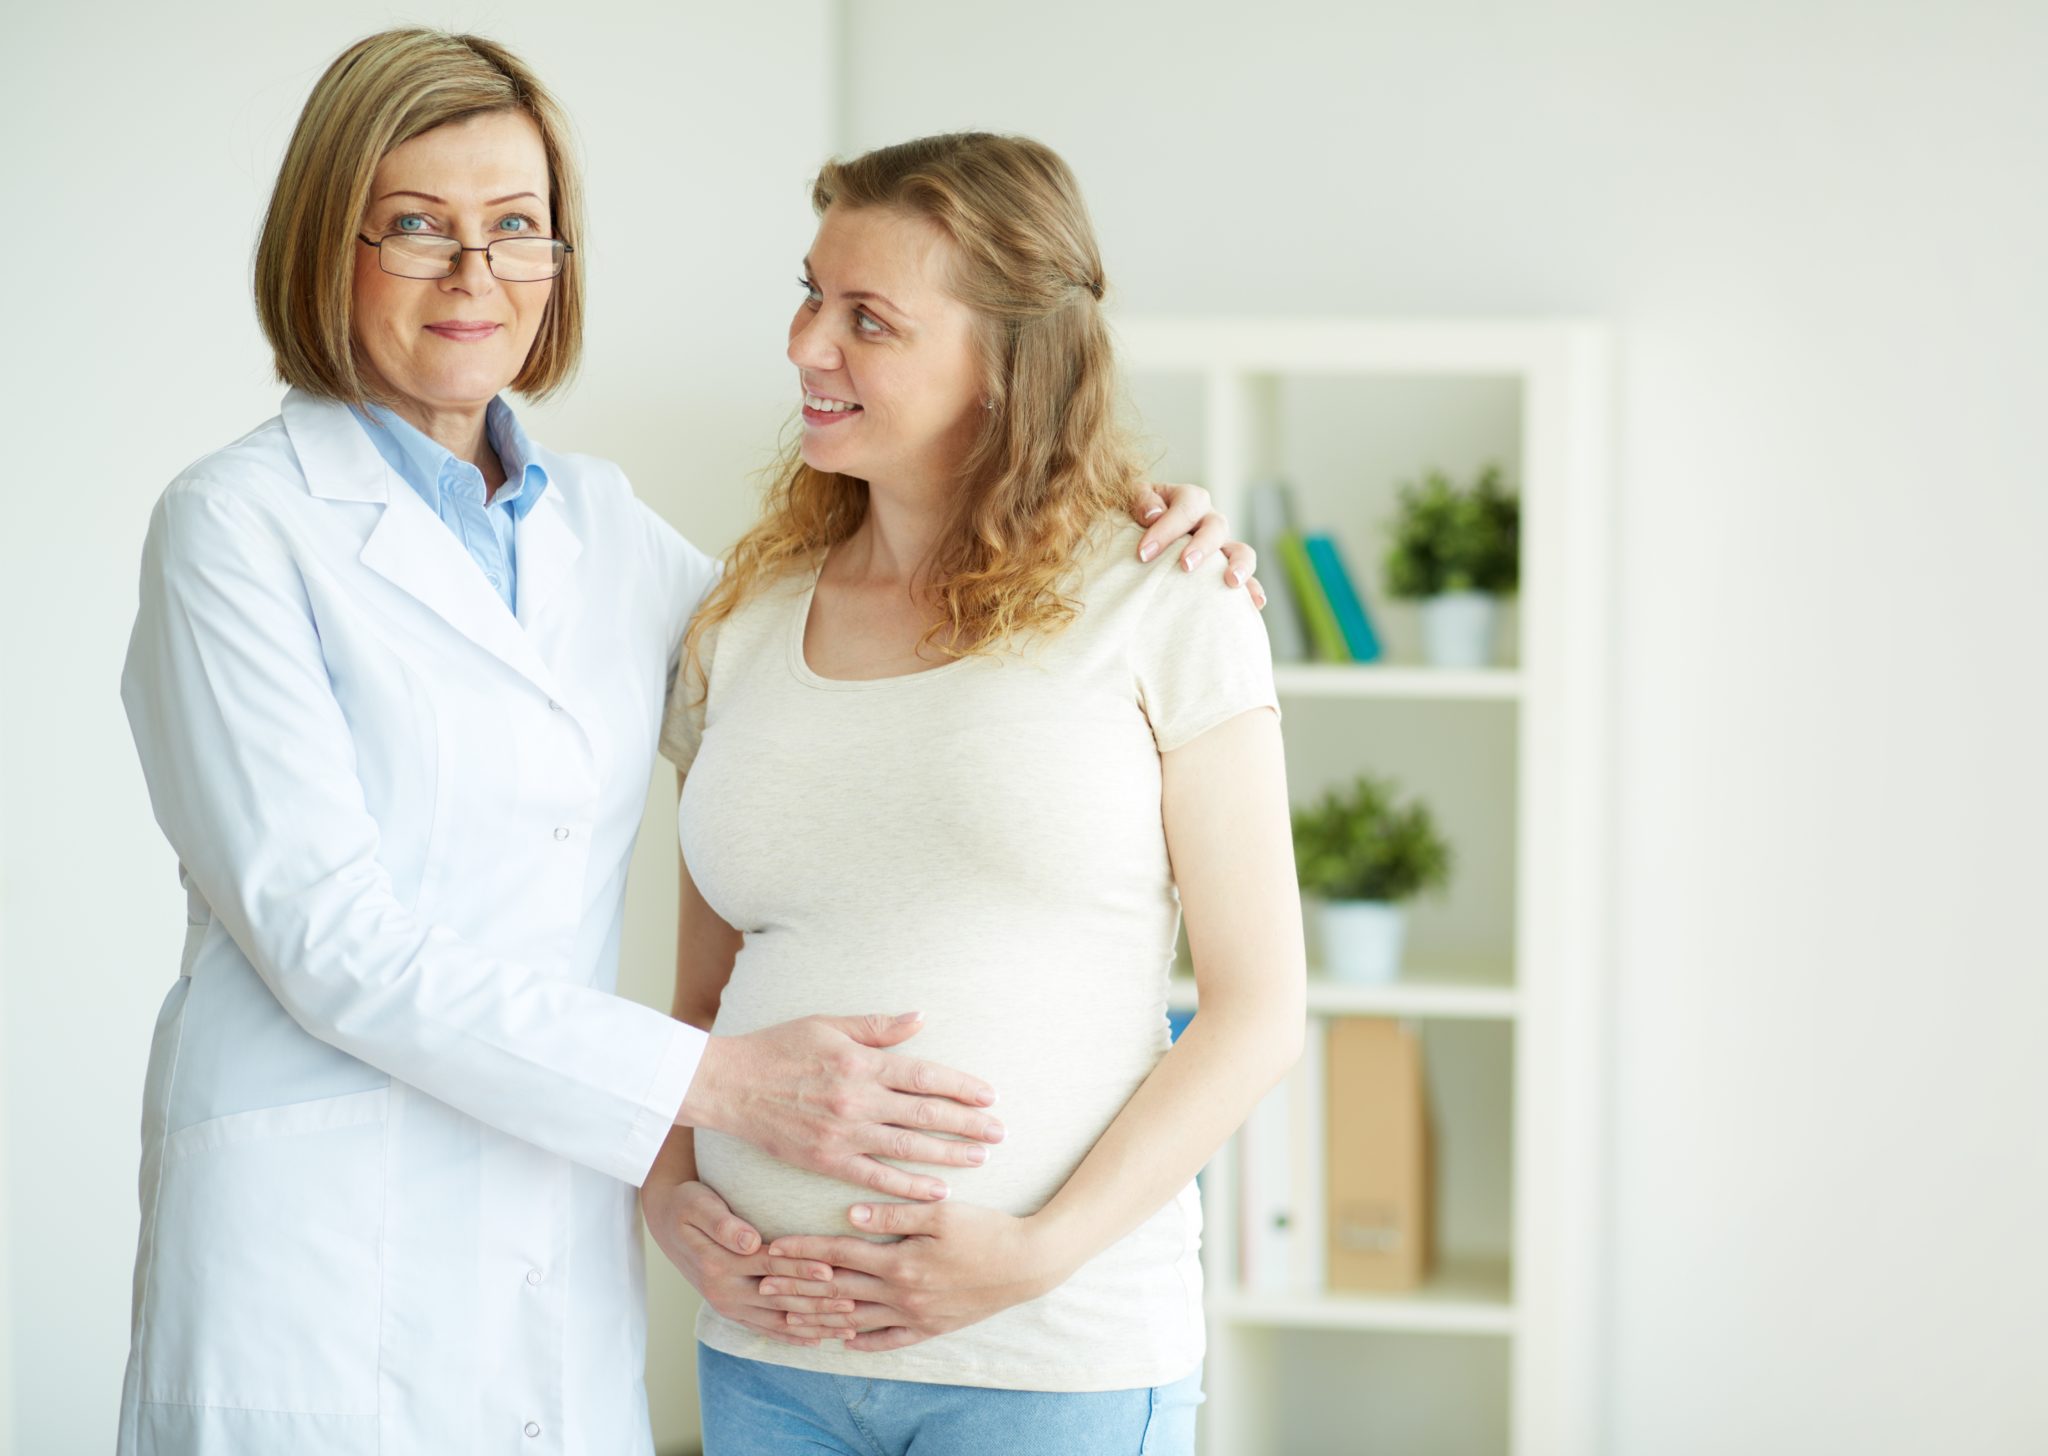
(410, 546)
(547, 550)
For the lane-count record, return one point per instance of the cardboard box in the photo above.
(1378, 1164)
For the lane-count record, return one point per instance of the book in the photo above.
(1269, 515)
(1324, 635)
(1307, 1254)
(1265, 1242)
(1378, 1166)
(1345, 603)
(1280, 1157)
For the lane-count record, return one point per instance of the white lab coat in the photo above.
(394, 1113)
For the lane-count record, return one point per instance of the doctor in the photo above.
(395, 682)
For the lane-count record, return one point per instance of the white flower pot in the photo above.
(1361, 940)
(1458, 629)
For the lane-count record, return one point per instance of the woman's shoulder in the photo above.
(232, 497)
(251, 466)
(1109, 576)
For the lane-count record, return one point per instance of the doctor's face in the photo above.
(885, 353)
(450, 344)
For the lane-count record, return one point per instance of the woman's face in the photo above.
(885, 354)
(453, 343)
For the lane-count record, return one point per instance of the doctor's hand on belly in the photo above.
(818, 1093)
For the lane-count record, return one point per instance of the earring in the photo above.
(988, 404)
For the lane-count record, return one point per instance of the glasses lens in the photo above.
(526, 260)
(412, 256)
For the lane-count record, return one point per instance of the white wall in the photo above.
(142, 140)
(1817, 231)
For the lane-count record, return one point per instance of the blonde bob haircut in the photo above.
(381, 92)
(1052, 460)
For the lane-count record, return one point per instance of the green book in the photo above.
(1324, 635)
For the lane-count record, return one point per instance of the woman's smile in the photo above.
(463, 331)
(823, 409)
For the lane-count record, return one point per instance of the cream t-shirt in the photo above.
(981, 842)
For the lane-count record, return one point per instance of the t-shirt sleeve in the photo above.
(1199, 654)
(682, 719)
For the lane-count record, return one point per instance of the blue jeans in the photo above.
(752, 1408)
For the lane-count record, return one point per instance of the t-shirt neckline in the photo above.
(801, 669)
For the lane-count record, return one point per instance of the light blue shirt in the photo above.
(454, 489)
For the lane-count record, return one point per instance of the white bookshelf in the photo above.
(1496, 1354)
(1371, 680)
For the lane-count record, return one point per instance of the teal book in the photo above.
(1359, 638)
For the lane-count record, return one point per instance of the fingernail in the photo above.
(746, 1243)
(977, 1156)
(767, 1288)
(1149, 550)
(844, 1306)
(1154, 514)
(862, 1213)
(993, 1132)
(909, 1016)
(940, 1191)
(1236, 578)
(1190, 561)
(821, 1272)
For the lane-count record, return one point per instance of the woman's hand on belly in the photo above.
(956, 1265)
(721, 1254)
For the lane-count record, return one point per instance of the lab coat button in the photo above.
(533, 1276)
(561, 834)
(532, 1429)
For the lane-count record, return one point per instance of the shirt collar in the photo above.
(525, 476)
(424, 462)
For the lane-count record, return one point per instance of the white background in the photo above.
(1817, 231)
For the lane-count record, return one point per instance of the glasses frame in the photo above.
(563, 250)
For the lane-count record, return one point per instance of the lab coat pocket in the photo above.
(265, 1289)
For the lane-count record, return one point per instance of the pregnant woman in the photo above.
(947, 741)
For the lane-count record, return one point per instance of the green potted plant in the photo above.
(1458, 551)
(1361, 854)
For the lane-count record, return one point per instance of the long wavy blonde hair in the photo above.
(1051, 461)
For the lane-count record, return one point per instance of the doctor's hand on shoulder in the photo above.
(820, 1093)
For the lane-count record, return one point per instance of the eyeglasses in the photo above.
(430, 256)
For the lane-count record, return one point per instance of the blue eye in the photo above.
(811, 293)
(867, 323)
(410, 222)
(517, 223)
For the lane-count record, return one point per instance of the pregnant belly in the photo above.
(1059, 1084)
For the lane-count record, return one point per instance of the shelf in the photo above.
(1369, 680)
(1513, 1002)
(1464, 1297)
(1420, 996)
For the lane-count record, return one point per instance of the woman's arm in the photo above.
(1233, 859)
